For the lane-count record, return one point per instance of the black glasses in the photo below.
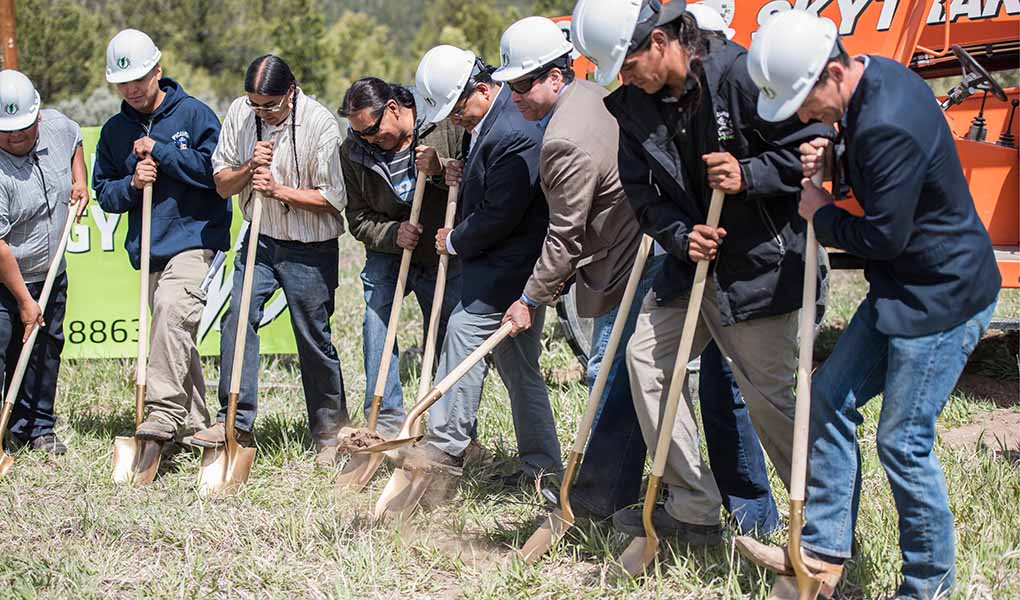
(374, 129)
(523, 86)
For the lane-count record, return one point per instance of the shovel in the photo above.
(359, 469)
(402, 478)
(807, 586)
(6, 460)
(642, 550)
(136, 461)
(562, 519)
(225, 470)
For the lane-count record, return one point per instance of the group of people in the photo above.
(558, 181)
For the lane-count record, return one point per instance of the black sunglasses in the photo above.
(374, 129)
(523, 86)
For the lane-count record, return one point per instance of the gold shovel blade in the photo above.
(6, 464)
(388, 445)
(395, 494)
(124, 453)
(550, 532)
(358, 472)
(639, 554)
(224, 471)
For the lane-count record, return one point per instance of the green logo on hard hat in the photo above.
(11, 108)
(769, 93)
(506, 59)
(123, 62)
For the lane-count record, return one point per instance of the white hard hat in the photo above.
(19, 102)
(607, 30)
(786, 58)
(442, 75)
(709, 19)
(130, 55)
(528, 45)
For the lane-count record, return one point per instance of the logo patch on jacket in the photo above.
(724, 124)
(181, 139)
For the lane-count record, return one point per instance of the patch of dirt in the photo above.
(998, 431)
(1004, 393)
(358, 439)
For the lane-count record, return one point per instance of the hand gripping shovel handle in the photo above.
(398, 300)
(26, 349)
(807, 586)
(638, 555)
(143, 304)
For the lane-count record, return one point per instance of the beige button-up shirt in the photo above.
(318, 156)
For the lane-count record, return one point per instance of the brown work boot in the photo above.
(775, 558)
(426, 457)
(216, 436)
(156, 429)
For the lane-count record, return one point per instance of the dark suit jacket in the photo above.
(929, 259)
(501, 211)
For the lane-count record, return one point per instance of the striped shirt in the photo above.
(318, 152)
(35, 191)
(399, 167)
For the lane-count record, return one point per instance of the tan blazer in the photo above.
(592, 229)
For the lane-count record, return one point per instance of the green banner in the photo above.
(102, 296)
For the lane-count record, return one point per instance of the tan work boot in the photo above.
(776, 559)
(216, 436)
(325, 453)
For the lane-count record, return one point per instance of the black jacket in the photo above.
(760, 268)
(928, 257)
(502, 215)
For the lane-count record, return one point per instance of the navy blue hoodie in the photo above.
(187, 213)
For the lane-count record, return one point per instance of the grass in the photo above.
(67, 532)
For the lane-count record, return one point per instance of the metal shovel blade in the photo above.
(6, 464)
(224, 470)
(399, 493)
(388, 445)
(358, 472)
(551, 531)
(124, 452)
(639, 554)
(135, 461)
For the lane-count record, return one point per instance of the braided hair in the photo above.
(269, 75)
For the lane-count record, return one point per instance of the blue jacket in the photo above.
(187, 213)
(928, 257)
(502, 212)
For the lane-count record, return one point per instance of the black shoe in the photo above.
(578, 505)
(628, 521)
(48, 442)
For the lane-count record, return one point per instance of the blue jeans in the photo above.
(379, 279)
(32, 415)
(916, 376)
(610, 476)
(307, 273)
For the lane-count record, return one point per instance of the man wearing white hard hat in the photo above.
(593, 236)
(164, 137)
(933, 288)
(42, 170)
(709, 19)
(688, 127)
(502, 217)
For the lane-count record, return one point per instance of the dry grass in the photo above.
(67, 532)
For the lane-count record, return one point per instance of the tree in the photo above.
(298, 36)
(360, 47)
(58, 48)
(478, 22)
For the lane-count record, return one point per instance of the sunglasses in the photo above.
(374, 129)
(461, 105)
(523, 86)
(265, 108)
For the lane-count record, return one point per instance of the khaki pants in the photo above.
(763, 358)
(175, 382)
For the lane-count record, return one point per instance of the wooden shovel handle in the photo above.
(143, 299)
(398, 301)
(429, 358)
(684, 352)
(802, 411)
(597, 389)
(244, 302)
(26, 350)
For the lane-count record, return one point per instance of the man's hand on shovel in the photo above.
(31, 316)
(520, 316)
